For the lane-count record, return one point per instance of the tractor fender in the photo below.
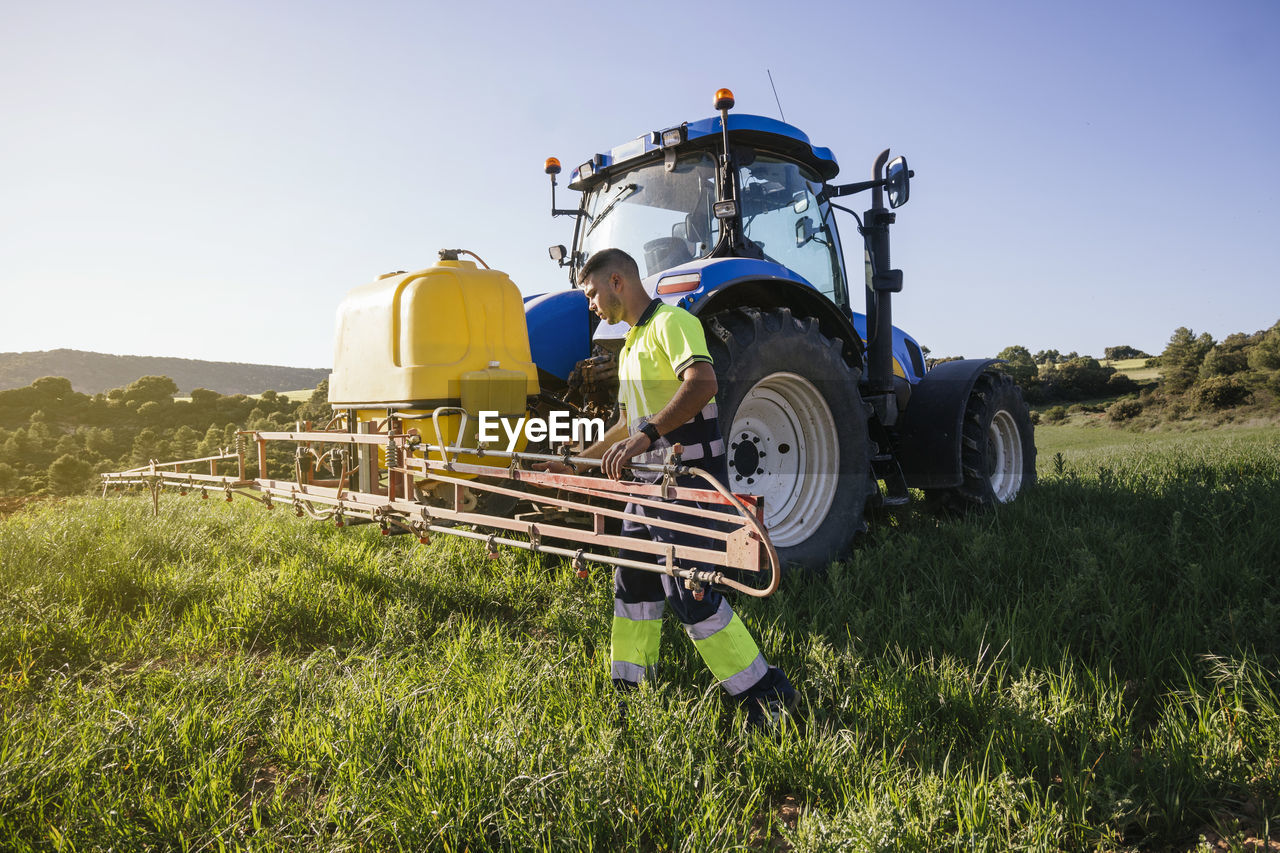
(801, 299)
(929, 430)
(559, 330)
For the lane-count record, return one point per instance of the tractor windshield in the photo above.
(660, 218)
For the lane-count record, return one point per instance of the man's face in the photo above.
(601, 290)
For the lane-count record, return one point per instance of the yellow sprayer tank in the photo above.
(449, 335)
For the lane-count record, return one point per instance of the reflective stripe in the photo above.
(712, 624)
(745, 680)
(633, 672)
(732, 655)
(636, 641)
(638, 611)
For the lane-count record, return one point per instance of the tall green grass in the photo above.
(1092, 667)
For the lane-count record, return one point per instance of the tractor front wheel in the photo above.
(998, 448)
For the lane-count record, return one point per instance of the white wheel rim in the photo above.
(783, 446)
(1004, 456)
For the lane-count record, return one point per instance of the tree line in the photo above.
(1197, 374)
(55, 440)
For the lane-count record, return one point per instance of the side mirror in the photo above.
(898, 182)
(804, 231)
(800, 202)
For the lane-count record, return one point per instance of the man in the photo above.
(667, 389)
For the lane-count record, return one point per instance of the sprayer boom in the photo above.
(424, 489)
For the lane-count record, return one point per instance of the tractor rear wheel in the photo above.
(997, 446)
(795, 429)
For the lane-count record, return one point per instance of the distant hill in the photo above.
(94, 372)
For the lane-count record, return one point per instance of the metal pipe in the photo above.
(879, 301)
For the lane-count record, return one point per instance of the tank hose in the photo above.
(452, 255)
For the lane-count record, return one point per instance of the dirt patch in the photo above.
(8, 506)
(1249, 844)
(262, 777)
(1243, 831)
(763, 828)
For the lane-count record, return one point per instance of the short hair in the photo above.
(609, 260)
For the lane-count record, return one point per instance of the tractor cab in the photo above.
(667, 199)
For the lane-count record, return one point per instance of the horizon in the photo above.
(229, 173)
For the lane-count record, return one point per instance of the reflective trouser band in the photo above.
(635, 644)
(620, 670)
(733, 656)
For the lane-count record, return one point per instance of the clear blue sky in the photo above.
(207, 180)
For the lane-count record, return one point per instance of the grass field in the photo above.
(1100, 442)
(1091, 668)
(1135, 368)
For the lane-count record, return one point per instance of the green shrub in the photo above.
(1123, 410)
(1120, 383)
(1056, 415)
(1219, 392)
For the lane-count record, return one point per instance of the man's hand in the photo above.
(623, 452)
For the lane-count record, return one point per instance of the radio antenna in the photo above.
(775, 94)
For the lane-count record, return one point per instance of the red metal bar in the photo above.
(604, 512)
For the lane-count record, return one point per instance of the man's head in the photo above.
(610, 280)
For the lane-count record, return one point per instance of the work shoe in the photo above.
(621, 690)
(772, 700)
(765, 715)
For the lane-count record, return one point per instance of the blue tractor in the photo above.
(827, 411)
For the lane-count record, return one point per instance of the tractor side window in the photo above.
(781, 214)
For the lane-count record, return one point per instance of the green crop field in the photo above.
(1091, 668)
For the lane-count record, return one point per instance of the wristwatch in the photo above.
(650, 430)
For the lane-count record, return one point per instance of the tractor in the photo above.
(733, 218)
(827, 412)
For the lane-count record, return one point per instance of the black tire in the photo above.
(997, 447)
(795, 429)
